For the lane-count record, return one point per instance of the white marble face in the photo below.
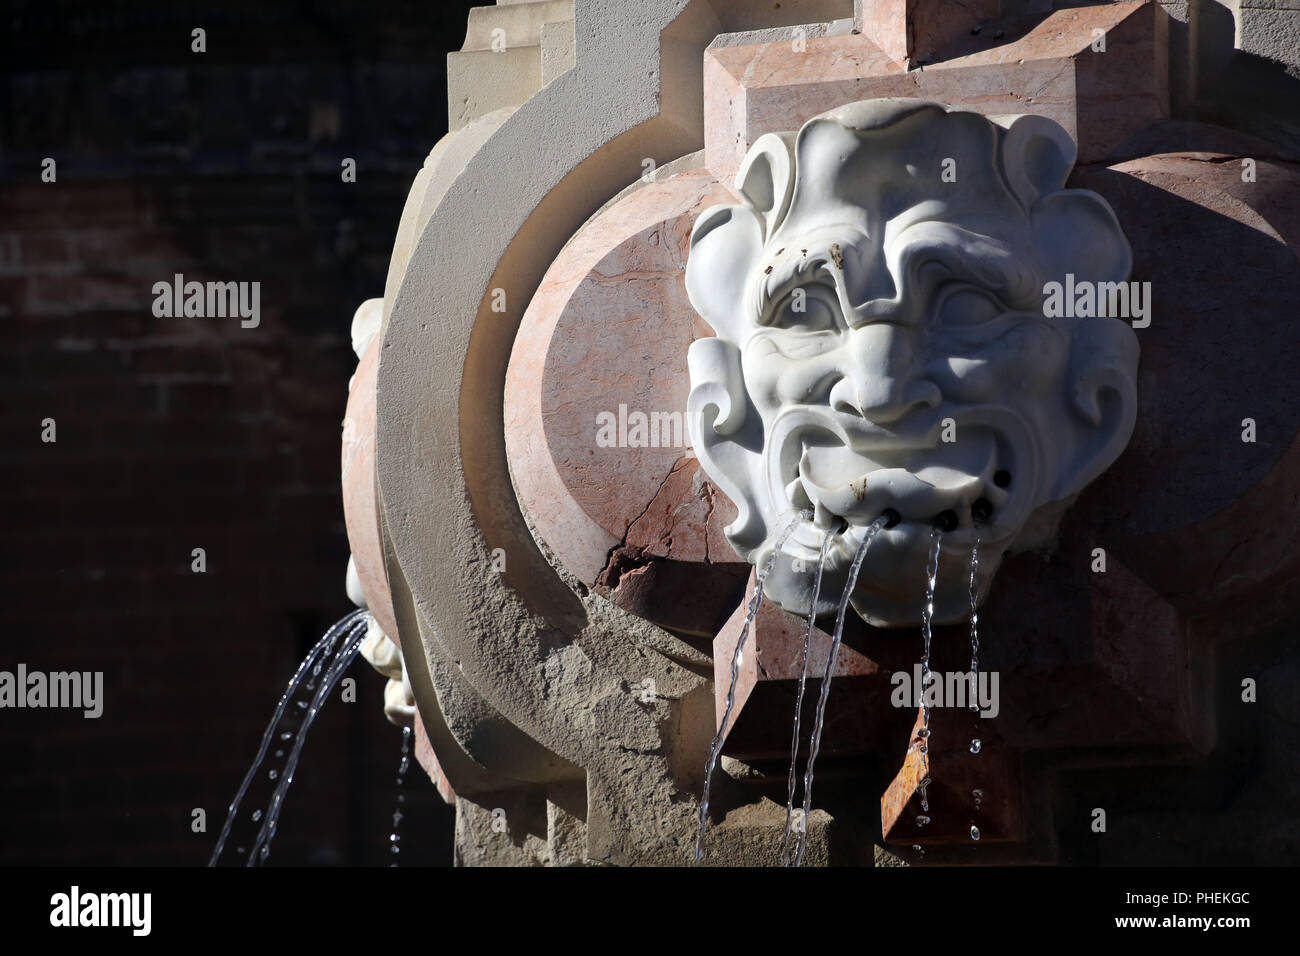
(879, 291)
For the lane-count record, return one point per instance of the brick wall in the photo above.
(183, 433)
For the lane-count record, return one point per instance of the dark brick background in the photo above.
(182, 433)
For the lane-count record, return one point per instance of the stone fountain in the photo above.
(684, 270)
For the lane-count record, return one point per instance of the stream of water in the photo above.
(819, 718)
(288, 712)
(716, 748)
(395, 837)
(338, 665)
(927, 618)
(827, 541)
(975, 662)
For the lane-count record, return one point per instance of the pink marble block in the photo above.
(917, 30)
(1100, 98)
(603, 341)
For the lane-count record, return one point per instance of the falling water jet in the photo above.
(343, 658)
(927, 616)
(890, 517)
(974, 625)
(323, 646)
(827, 539)
(395, 837)
(716, 748)
(975, 661)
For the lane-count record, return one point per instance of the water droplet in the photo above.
(975, 746)
(924, 749)
(977, 794)
(922, 820)
(274, 774)
(974, 833)
(394, 838)
(286, 735)
(279, 753)
(916, 846)
(923, 732)
(396, 849)
(257, 815)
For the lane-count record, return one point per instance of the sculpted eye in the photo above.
(965, 307)
(804, 310)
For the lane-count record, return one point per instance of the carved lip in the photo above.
(850, 481)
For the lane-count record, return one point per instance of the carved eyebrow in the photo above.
(782, 277)
(983, 261)
(814, 258)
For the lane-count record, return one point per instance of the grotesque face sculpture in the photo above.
(881, 344)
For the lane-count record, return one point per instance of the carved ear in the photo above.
(766, 178)
(1103, 392)
(1037, 156)
(725, 244)
(1075, 231)
(718, 411)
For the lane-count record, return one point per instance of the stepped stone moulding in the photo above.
(881, 346)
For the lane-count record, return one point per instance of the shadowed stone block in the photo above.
(767, 686)
(965, 789)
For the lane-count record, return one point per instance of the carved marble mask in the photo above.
(881, 344)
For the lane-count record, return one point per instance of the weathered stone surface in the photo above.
(508, 55)
(674, 566)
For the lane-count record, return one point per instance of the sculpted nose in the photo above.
(881, 379)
